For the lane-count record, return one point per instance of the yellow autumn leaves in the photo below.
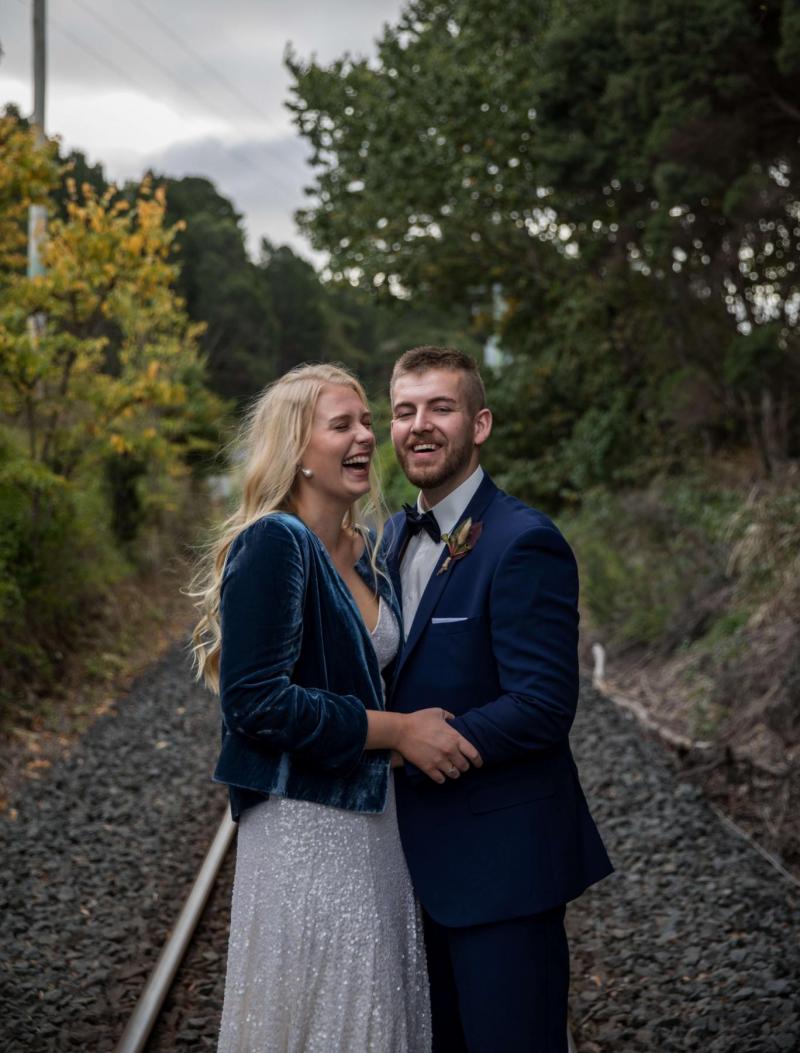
(115, 366)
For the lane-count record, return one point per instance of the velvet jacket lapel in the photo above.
(438, 582)
(377, 583)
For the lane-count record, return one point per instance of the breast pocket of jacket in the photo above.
(441, 627)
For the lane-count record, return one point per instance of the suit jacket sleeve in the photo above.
(534, 629)
(261, 609)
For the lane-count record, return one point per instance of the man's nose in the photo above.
(421, 422)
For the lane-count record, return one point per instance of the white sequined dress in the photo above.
(326, 952)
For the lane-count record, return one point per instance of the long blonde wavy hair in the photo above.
(274, 437)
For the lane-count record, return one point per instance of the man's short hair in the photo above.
(421, 359)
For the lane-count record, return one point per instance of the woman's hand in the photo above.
(427, 741)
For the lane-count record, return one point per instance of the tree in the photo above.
(222, 287)
(27, 176)
(298, 303)
(582, 144)
(117, 354)
(104, 409)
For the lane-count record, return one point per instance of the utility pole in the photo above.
(37, 215)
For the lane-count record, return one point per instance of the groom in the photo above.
(489, 591)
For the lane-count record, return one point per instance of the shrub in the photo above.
(653, 561)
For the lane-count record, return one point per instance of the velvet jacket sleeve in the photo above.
(534, 631)
(261, 609)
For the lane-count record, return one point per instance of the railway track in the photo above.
(691, 947)
(143, 1030)
(163, 1022)
(151, 1001)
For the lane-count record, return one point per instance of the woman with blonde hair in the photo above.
(298, 622)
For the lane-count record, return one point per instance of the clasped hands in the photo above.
(426, 740)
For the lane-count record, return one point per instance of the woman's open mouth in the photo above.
(357, 466)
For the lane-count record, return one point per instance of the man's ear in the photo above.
(482, 426)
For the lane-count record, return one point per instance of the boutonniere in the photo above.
(461, 540)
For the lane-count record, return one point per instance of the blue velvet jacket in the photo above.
(297, 673)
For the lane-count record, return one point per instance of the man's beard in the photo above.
(430, 477)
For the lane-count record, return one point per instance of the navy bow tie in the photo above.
(426, 521)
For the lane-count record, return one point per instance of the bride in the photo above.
(298, 622)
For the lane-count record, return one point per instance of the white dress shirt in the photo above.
(422, 552)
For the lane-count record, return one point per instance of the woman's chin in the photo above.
(357, 487)
(349, 494)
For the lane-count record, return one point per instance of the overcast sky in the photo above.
(188, 87)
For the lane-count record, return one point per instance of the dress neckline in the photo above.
(381, 611)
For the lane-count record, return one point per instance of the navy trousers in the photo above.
(499, 987)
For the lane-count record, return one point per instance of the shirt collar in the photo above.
(449, 509)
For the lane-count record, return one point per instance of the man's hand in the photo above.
(427, 741)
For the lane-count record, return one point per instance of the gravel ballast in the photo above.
(693, 944)
(97, 862)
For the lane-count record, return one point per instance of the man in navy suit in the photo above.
(489, 590)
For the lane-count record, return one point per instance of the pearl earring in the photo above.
(307, 472)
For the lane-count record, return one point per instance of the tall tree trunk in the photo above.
(30, 424)
(774, 448)
(755, 432)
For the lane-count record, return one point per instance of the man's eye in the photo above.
(402, 416)
(443, 409)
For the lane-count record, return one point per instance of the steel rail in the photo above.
(152, 998)
(142, 1020)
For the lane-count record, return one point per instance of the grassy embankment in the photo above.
(692, 585)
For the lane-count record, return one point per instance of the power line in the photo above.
(87, 50)
(137, 47)
(114, 31)
(177, 39)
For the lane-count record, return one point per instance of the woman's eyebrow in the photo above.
(343, 417)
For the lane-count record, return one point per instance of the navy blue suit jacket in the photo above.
(514, 837)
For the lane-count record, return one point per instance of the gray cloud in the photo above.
(264, 179)
(119, 47)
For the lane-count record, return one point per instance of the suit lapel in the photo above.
(396, 539)
(437, 583)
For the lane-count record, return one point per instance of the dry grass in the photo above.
(726, 669)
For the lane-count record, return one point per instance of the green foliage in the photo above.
(35, 512)
(56, 552)
(397, 490)
(726, 627)
(654, 561)
(262, 318)
(104, 409)
(637, 205)
(299, 303)
(222, 288)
